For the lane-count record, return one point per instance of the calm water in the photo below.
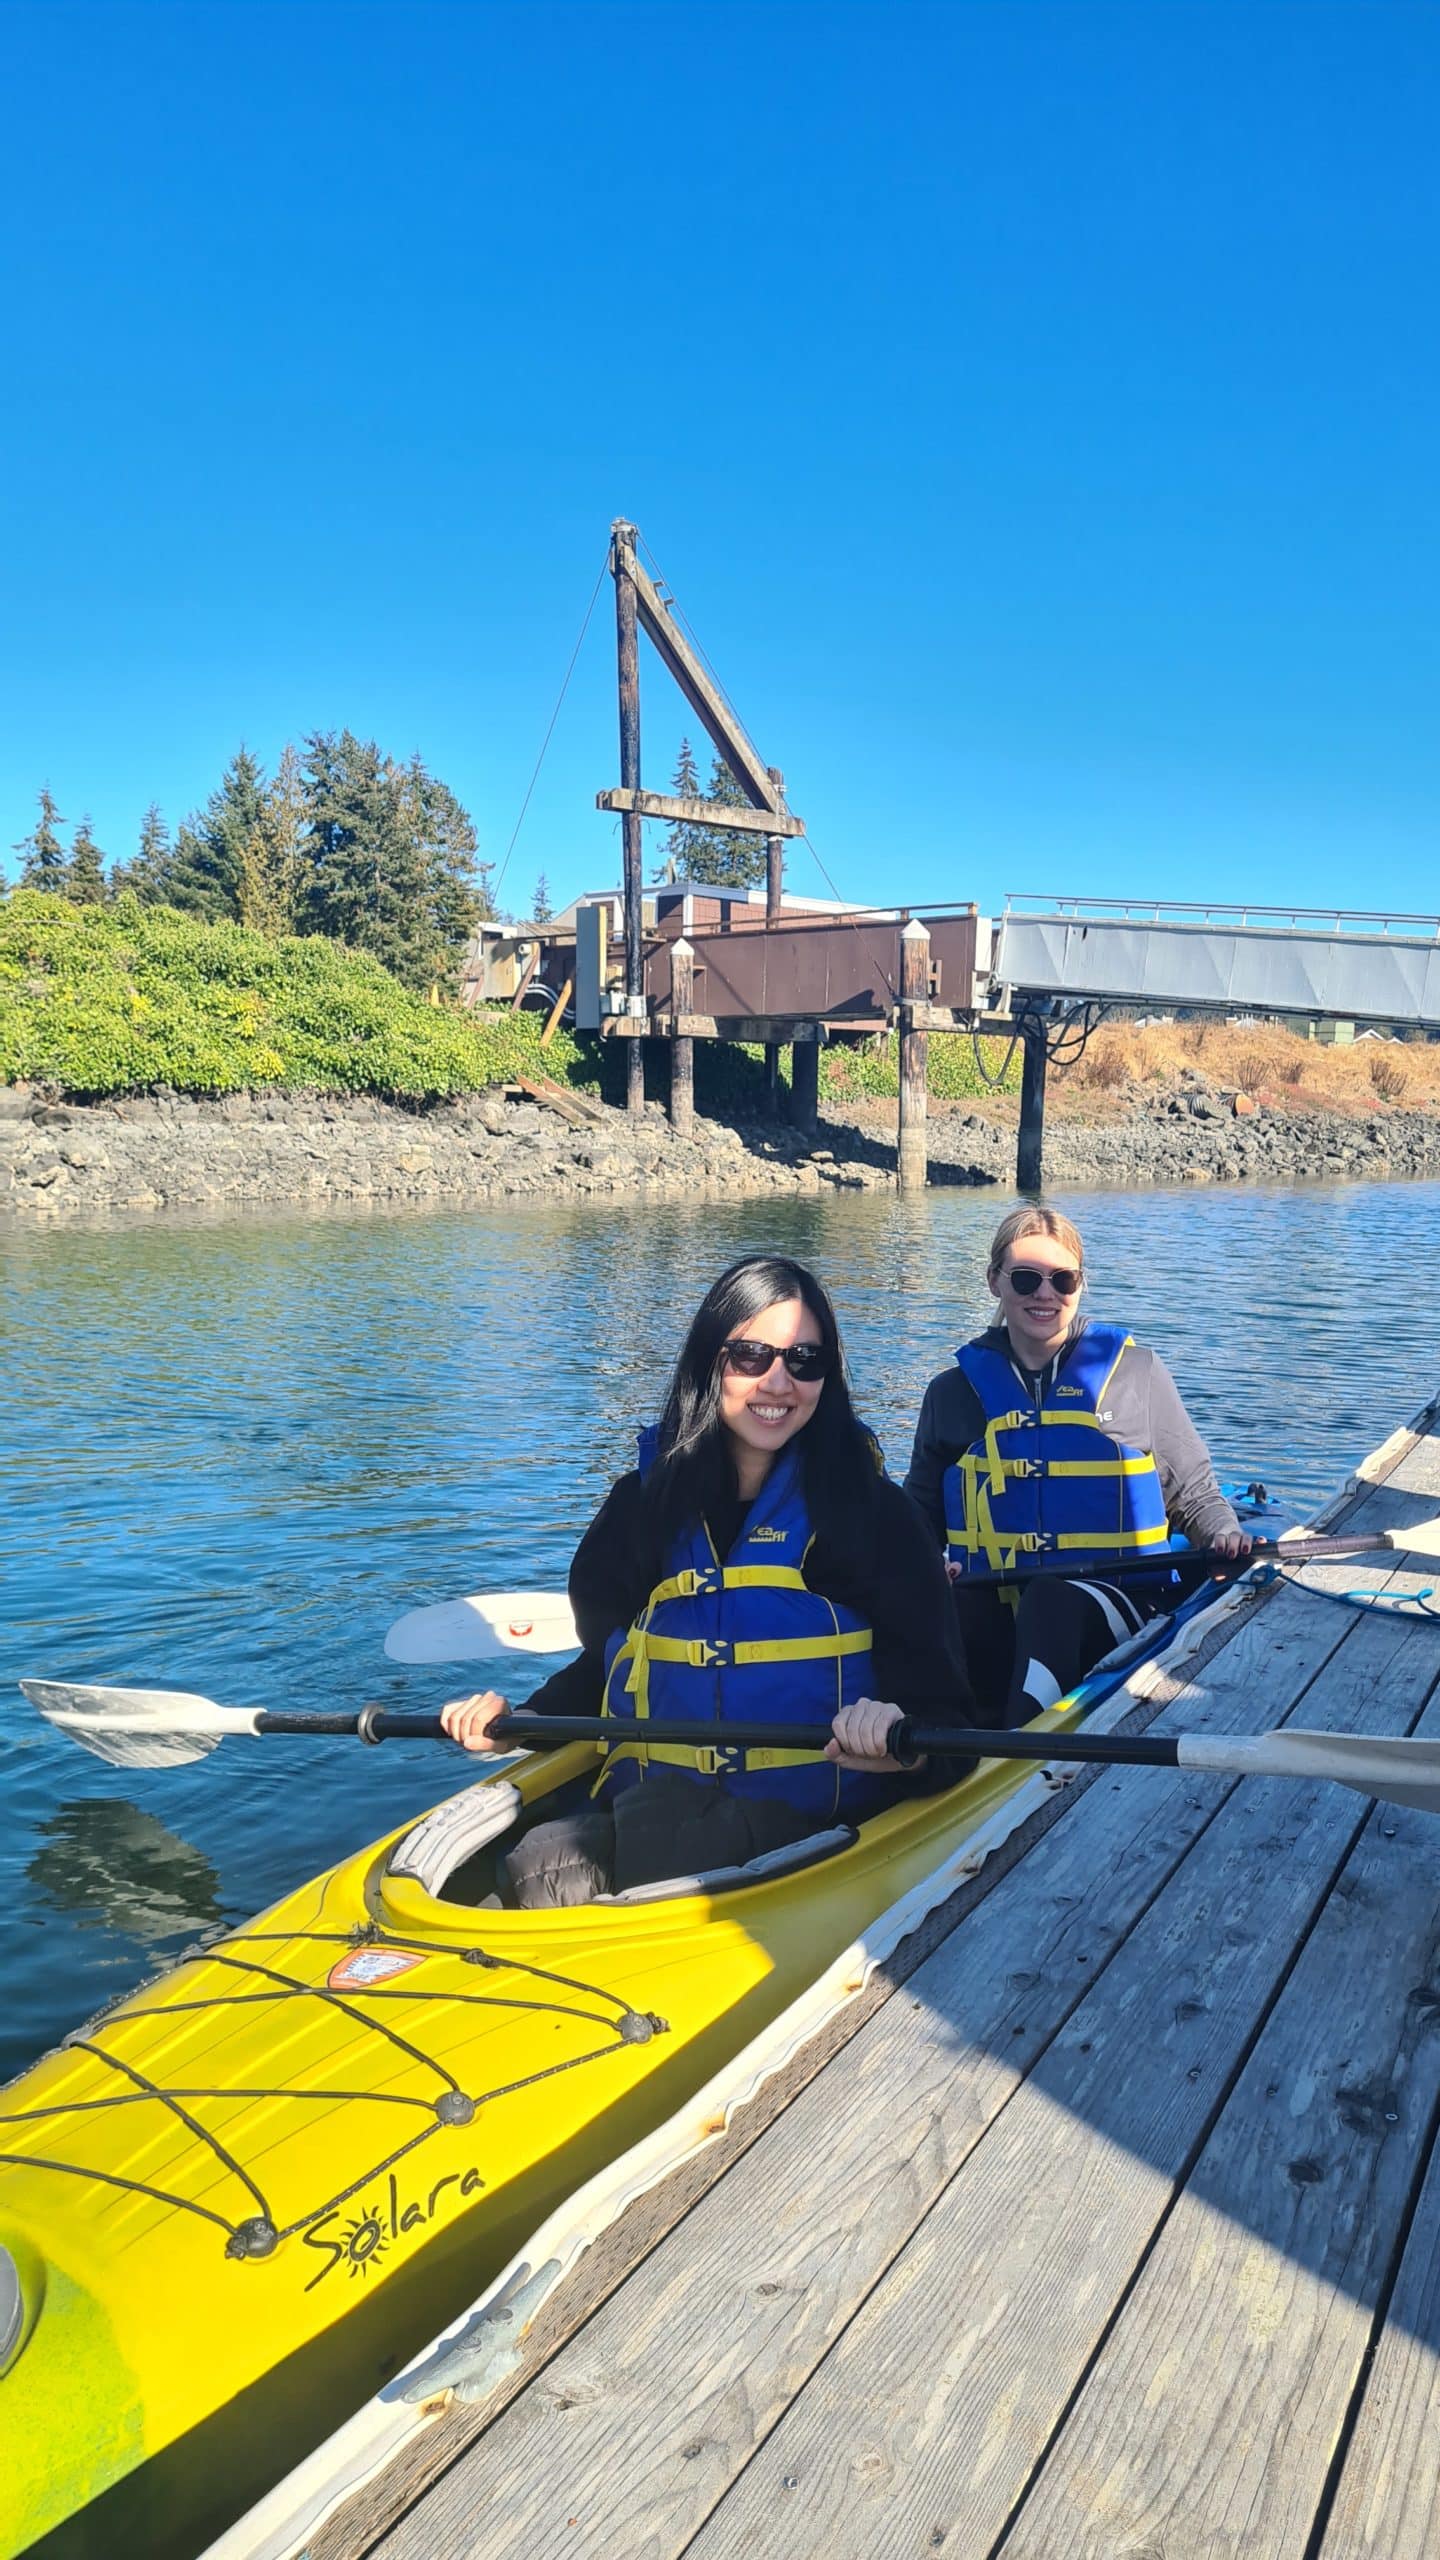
(231, 1454)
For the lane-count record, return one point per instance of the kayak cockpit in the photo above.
(451, 1853)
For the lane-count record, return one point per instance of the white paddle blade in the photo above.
(1421, 1540)
(1396, 1771)
(137, 1728)
(485, 1628)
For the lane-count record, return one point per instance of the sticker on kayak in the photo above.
(366, 1967)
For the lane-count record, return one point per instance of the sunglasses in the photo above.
(1025, 1280)
(807, 1362)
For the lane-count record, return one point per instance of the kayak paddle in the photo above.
(491, 1624)
(485, 1628)
(162, 1728)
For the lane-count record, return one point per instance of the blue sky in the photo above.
(1033, 408)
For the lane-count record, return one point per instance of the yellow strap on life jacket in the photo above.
(690, 1585)
(709, 1760)
(705, 1653)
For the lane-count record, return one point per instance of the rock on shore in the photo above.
(60, 1159)
(63, 1159)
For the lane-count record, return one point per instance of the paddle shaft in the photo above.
(383, 1724)
(1211, 1559)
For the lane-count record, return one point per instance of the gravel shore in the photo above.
(60, 1160)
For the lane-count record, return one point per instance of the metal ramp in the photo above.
(1290, 960)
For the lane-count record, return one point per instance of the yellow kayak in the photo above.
(239, 2201)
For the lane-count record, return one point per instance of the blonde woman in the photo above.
(1055, 1435)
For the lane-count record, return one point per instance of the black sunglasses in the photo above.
(1025, 1280)
(805, 1361)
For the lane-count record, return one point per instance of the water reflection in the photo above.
(113, 1865)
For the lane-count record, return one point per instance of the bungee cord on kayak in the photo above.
(257, 2235)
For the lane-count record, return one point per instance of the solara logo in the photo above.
(360, 2242)
(768, 1537)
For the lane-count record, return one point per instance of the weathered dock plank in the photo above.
(630, 2438)
(1245, 2336)
(1387, 2500)
(934, 2407)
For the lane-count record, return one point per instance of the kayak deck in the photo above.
(1114, 2229)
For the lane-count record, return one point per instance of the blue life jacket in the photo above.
(744, 1638)
(1046, 1477)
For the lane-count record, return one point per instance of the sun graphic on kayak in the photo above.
(364, 2240)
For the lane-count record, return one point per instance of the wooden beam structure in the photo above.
(682, 1045)
(910, 1154)
(700, 690)
(627, 648)
(688, 812)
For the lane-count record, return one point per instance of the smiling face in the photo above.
(1038, 1324)
(762, 1414)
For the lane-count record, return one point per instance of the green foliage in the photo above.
(144, 877)
(43, 862)
(124, 998)
(214, 848)
(872, 1073)
(85, 872)
(541, 907)
(719, 858)
(674, 852)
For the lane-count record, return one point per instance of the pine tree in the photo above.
(457, 892)
(365, 878)
(276, 866)
(145, 878)
(718, 857)
(675, 850)
(215, 848)
(541, 909)
(43, 859)
(85, 874)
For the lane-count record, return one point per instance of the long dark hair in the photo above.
(693, 1476)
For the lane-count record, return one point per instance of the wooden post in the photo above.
(682, 1047)
(627, 647)
(1030, 1147)
(774, 880)
(914, 1056)
(805, 1084)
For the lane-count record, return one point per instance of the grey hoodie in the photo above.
(1144, 1406)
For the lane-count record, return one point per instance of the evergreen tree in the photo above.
(719, 857)
(146, 876)
(43, 859)
(85, 876)
(457, 886)
(675, 850)
(541, 909)
(276, 866)
(215, 849)
(364, 881)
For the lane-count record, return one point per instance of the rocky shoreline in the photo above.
(60, 1160)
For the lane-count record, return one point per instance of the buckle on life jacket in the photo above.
(1025, 1466)
(703, 1654)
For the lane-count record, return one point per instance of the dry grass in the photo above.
(1253, 1057)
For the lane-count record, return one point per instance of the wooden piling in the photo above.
(805, 1085)
(1030, 1146)
(627, 646)
(914, 1056)
(774, 900)
(682, 1046)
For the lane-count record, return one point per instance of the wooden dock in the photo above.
(1110, 2230)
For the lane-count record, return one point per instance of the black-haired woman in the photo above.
(757, 1565)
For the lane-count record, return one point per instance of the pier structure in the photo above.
(1041, 975)
(1101, 2214)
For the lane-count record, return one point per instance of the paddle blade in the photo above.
(136, 1728)
(1394, 1770)
(1423, 1539)
(485, 1628)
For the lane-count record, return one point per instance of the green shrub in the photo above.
(121, 999)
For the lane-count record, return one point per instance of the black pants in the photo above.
(669, 1825)
(1025, 1659)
